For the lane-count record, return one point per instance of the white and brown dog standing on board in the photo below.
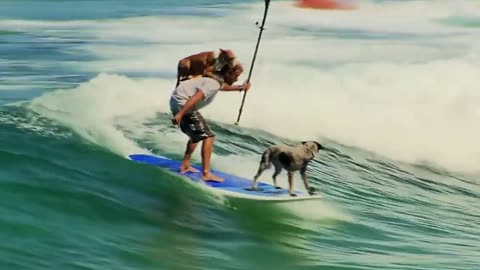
(290, 158)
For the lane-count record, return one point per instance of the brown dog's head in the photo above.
(226, 57)
(313, 145)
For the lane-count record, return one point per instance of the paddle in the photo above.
(261, 27)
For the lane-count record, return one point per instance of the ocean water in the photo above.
(391, 88)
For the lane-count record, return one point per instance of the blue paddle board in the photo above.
(234, 186)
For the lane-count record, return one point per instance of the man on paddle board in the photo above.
(189, 97)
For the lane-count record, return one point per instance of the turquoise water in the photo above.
(390, 88)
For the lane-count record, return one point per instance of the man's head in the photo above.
(231, 74)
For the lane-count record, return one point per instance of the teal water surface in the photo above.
(80, 88)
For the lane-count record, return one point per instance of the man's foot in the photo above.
(211, 177)
(188, 169)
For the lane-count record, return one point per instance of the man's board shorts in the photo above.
(195, 127)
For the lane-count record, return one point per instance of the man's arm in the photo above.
(191, 102)
(238, 87)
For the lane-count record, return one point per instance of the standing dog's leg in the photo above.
(261, 168)
(290, 183)
(303, 172)
(278, 170)
(264, 164)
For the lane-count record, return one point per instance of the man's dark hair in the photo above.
(227, 69)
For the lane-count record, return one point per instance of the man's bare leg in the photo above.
(186, 167)
(207, 149)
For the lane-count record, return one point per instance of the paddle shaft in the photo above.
(267, 3)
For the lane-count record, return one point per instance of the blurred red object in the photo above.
(323, 4)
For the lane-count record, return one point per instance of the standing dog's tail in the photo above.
(266, 159)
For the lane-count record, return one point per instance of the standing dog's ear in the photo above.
(319, 146)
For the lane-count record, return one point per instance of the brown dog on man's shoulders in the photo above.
(290, 158)
(204, 64)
